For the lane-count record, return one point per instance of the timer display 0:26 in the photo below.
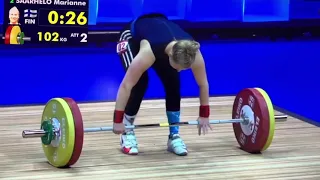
(64, 17)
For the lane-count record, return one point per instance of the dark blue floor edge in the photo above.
(307, 120)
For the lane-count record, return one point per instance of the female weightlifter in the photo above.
(154, 41)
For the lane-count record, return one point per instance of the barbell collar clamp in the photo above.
(40, 132)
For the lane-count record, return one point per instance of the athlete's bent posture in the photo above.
(154, 41)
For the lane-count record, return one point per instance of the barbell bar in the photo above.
(41, 133)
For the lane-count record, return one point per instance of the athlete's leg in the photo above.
(127, 50)
(170, 78)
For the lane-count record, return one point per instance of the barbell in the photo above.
(14, 35)
(62, 131)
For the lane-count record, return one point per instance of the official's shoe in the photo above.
(129, 143)
(176, 145)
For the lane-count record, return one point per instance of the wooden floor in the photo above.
(294, 153)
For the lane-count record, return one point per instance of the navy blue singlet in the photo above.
(159, 31)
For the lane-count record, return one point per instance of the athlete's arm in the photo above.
(199, 72)
(141, 62)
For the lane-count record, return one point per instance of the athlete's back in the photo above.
(158, 31)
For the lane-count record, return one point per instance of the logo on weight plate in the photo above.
(248, 126)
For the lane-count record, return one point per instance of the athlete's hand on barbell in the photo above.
(118, 128)
(203, 124)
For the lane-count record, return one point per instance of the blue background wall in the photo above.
(288, 71)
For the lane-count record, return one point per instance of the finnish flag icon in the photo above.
(29, 13)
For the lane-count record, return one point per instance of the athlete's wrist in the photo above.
(204, 111)
(118, 116)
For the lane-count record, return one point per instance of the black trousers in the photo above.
(169, 77)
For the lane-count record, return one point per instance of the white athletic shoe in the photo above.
(129, 143)
(177, 146)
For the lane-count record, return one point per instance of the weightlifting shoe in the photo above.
(176, 145)
(129, 143)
